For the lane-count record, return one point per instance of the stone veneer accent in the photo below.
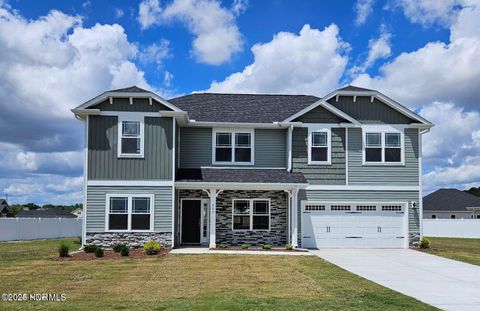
(132, 239)
(414, 239)
(224, 233)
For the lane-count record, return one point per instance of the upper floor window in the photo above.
(319, 145)
(130, 138)
(383, 147)
(233, 147)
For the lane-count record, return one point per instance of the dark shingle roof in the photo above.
(217, 175)
(450, 200)
(253, 108)
(4, 208)
(45, 213)
(132, 89)
(355, 89)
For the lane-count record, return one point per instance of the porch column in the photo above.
(294, 214)
(212, 194)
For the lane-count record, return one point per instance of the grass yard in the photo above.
(185, 282)
(466, 250)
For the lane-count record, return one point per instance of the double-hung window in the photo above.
(130, 212)
(253, 214)
(383, 147)
(234, 147)
(319, 146)
(131, 141)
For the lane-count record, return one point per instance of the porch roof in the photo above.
(240, 176)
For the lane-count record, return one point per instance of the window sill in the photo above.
(319, 163)
(254, 230)
(382, 164)
(129, 231)
(234, 163)
(131, 156)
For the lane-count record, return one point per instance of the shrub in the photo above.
(63, 249)
(425, 243)
(267, 246)
(223, 246)
(99, 252)
(245, 246)
(117, 248)
(124, 251)
(151, 247)
(289, 247)
(90, 248)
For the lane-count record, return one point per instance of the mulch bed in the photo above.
(258, 249)
(110, 254)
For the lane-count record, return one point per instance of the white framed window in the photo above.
(383, 146)
(319, 146)
(233, 146)
(251, 214)
(131, 133)
(129, 212)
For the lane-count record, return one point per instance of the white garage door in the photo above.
(353, 225)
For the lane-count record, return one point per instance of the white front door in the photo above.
(353, 225)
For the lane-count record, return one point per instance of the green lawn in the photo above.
(185, 282)
(467, 250)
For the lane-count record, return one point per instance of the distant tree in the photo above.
(474, 191)
(15, 208)
(32, 206)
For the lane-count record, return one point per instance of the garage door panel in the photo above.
(374, 228)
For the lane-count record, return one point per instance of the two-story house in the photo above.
(210, 169)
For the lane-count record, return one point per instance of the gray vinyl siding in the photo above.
(365, 111)
(103, 161)
(96, 205)
(364, 196)
(319, 115)
(383, 174)
(270, 148)
(334, 174)
(195, 147)
(123, 104)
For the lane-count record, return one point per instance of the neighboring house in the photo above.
(209, 169)
(5, 209)
(45, 213)
(451, 204)
(78, 212)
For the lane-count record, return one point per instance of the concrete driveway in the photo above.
(444, 283)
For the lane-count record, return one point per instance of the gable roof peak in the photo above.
(353, 88)
(130, 89)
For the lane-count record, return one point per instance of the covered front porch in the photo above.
(223, 212)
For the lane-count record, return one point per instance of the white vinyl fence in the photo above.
(452, 228)
(15, 229)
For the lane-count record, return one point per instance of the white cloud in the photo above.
(167, 78)
(239, 6)
(148, 13)
(308, 63)
(217, 36)
(378, 48)
(119, 13)
(363, 8)
(155, 53)
(428, 12)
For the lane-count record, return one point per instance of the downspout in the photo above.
(289, 144)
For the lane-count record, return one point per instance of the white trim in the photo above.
(251, 214)
(180, 222)
(244, 168)
(129, 197)
(131, 183)
(174, 130)
(346, 156)
(242, 125)
(108, 94)
(383, 130)
(237, 186)
(420, 182)
(363, 188)
(329, 145)
(85, 183)
(289, 148)
(233, 132)
(130, 118)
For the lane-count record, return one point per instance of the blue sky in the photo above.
(56, 55)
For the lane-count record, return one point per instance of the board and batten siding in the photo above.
(368, 196)
(383, 174)
(365, 111)
(139, 105)
(319, 115)
(270, 148)
(333, 174)
(103, 161)
(96, 205)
